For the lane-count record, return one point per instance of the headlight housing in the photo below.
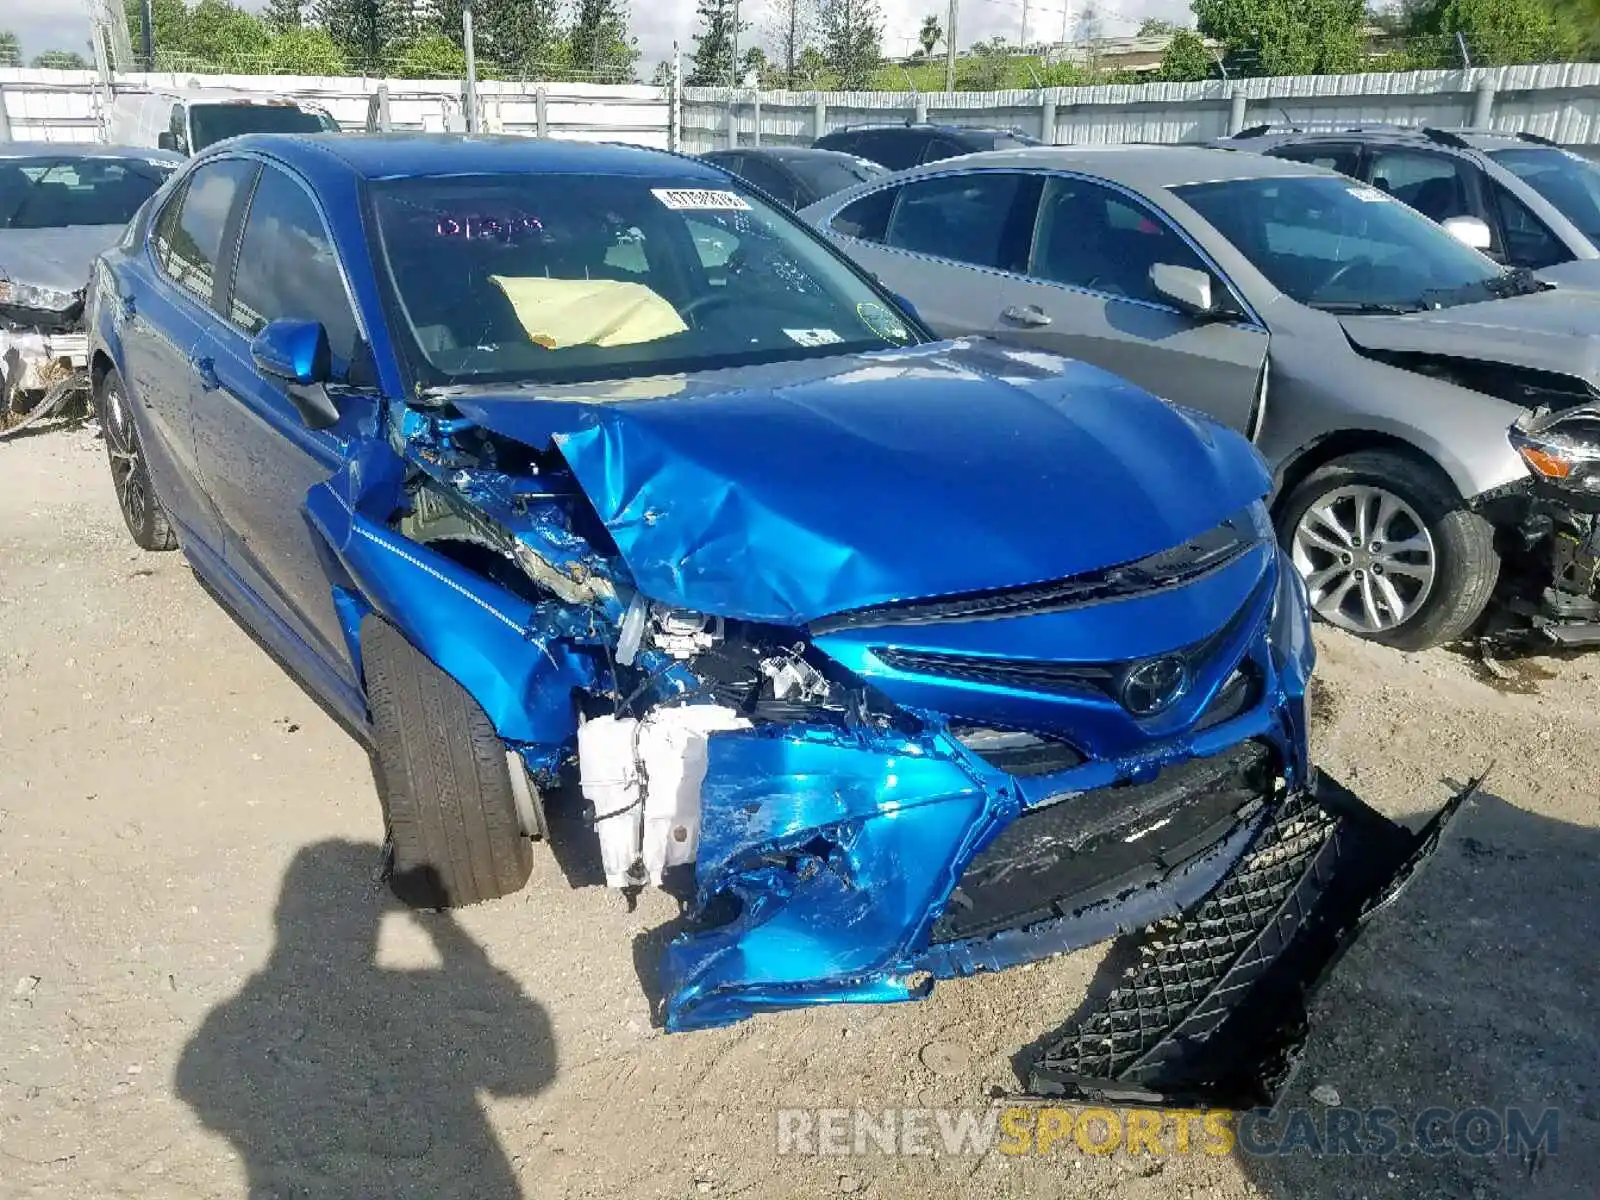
(1566, 454)
(42, 299)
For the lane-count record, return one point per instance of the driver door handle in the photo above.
(1026, 314)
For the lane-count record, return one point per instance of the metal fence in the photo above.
(1559, 101)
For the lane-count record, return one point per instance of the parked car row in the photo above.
(561, 468)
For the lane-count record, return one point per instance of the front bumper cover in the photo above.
(1214, 1014)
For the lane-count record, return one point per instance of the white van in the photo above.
(189, 120)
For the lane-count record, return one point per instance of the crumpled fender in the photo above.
(478, 633)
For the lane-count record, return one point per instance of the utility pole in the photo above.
(950, 49)
(1022, 40)
(472, 67)
(147, 35)
(733, 79)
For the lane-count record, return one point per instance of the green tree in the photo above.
(60, 60)
(10, 49)
(511, 37)
(1185, 58)
(810, 69)
(219, 34)
(712, 65)
(852, 33)
(790, 24)
(284, 15)
(931, 33)
(1155, 27)
(1285, 37)
(171, 25)
(303, 50)
(365, 31)
(1497, 32)
(600, 41)
(987, 67)
(431, 56)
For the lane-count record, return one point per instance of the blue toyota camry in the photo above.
(573, 471)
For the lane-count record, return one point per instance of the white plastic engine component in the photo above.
(608, 770)
(643, 779)
(683, 633)
(672, 754)
(793, 678)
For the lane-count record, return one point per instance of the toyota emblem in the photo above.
(1154, 685)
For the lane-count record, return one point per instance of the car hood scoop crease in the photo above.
(789, 492)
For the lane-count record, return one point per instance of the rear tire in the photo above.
(142, 510)
(452, 817)
(1459, 547)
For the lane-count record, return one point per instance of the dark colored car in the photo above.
(540, 460)
(900, 146)
(796, 176)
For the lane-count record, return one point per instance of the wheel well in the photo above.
(99, 367)
(1337, 445)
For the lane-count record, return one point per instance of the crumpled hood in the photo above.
(788, 492)
(1558, 331)
(55, 258)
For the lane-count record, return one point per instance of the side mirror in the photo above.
(1469, 231)
(167, 140)
(295, 354)
(1186, 287)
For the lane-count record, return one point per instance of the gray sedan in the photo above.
(1403, 386)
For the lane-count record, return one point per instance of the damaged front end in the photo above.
(1549, 530)
(875, 768)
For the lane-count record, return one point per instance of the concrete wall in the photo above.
(1559, 101)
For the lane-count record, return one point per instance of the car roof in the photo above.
(1464, 138)
(793, 154)
(84, 150)
(1139, 167)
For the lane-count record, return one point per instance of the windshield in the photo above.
(213, 122)
(1569, 182)
(1343, 246)
(562, 278)
(825, 176)
(50, 193)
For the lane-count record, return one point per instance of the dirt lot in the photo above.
(205, 993)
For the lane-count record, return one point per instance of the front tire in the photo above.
(142, 510)
(452, 815)
(1388, 549)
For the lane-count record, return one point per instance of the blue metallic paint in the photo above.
(777, 494)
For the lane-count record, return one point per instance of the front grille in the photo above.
(1040, 675)
(1052, 861)
(1210, 551)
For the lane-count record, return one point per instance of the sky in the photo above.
(64, 24)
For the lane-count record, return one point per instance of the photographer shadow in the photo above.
(333, 1076)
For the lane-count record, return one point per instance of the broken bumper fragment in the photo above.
(1214, 1014)
(36, 362)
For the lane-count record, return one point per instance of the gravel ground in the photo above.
(205, 993)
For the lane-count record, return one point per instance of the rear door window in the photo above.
(940, 148)
(896, 149)
(962, 217)
(187, 239)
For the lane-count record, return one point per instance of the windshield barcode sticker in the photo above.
(813, 337)
(695, 198)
